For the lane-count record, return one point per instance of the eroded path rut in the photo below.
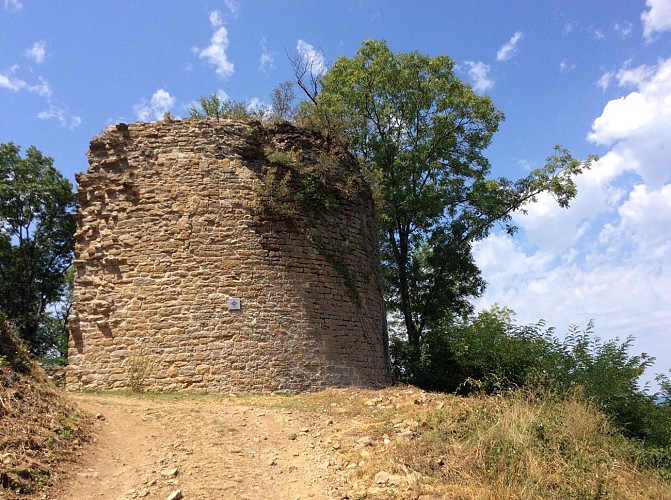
(209, 448)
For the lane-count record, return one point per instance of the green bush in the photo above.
(490, 353)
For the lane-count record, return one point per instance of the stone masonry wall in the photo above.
(176, 218)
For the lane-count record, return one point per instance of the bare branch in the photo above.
(309, 70)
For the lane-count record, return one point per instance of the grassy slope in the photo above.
(405, 443)
(40, 430)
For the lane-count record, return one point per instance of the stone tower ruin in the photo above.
(218, 256)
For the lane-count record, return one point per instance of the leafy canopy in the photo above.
(222, 108)
(37, 224)
(421, 132)
(489, 352)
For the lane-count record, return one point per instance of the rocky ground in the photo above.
(340, 444)
(164, 447)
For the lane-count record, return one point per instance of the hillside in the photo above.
(41, 430)
(350, 443)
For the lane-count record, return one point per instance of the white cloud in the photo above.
(621, 117)
(623, 28)
(255, 105)
(565, 65)
(479, 73)
(37, 52)
(632, 77)
(569, 27)
(657, 19)
(222, 95)
(161, 101)
(638, 125)
(233, 7)
(608, 257)
(266, 61)
(627, 76)
(13, 5)
(313, 57)
(597, 34)
(604, 81)
(42, 88)
(215, 53)
(10, 82)
(508, 49)
(60, 114)
(216, 19)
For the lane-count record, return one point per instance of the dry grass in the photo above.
(39, 430)
(491, 447)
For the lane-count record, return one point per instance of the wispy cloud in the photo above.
(215, 53)
(37, 52)
(215, 19)
(479, 74)
(597, 34)
(9, 81)
(604, 81)
(566, 65)
(623, 28)
(627, 76)
(508, 49)
(569, 27)
(266, 60)
(41, 88)
(161, 101)
(13, 5)
(60, 114)
(233, 7)
(657, 19)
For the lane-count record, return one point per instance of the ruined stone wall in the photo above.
(176, 218)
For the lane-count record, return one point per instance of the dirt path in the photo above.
(208, 448)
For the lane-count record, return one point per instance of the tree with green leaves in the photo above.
(421, 133)
(489, 352)
(37, 224)
(215, 107)
(282, 102)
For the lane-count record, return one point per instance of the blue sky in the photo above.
(593, 76)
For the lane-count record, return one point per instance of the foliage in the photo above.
(139, 367)
(423, 133)
(283, 158)
(215, 107)
(490, 353)
(56, 323)
(275, 195)
(282, 103)
(37, 223)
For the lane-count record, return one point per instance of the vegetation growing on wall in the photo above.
(301, 190)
